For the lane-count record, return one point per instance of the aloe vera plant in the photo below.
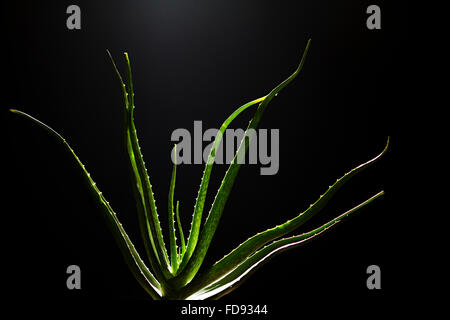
(172, 272)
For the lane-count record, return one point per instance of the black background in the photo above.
(199, 60)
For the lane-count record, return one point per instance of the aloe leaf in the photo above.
(180, 230)
(148, 192)
(201, 197)
(172, 238)
(252, 244)
(153, 223)
(145, 230)
(212, 221)
(131, 256)
(240, 273)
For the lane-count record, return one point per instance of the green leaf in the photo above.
(137, 185)
(173, 241)
(200, 202)
(240, 273)
(131, 256)
(212, 221)
(252, 244)
(180, 230)
(150, 205)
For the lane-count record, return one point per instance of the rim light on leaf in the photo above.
(172, 271)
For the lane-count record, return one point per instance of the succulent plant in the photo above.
(173, 272)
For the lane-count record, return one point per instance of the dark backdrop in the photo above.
(199, 60)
